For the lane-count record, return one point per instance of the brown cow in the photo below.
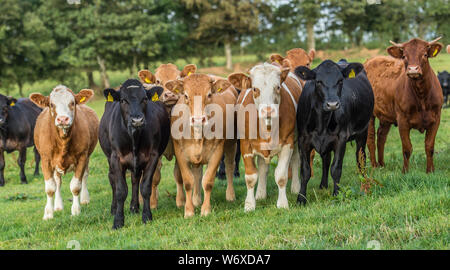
(268, 90)
(204, 141)
(407, 94)
(163, 74)
(448, 48)
(65, 135)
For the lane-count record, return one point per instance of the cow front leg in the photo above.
(146, 187)
(230, 155)
(383, 131)
(121, 190)
(58, 199)
(361, 150)
(371, 141)
(305, 171)
(37, 159)
(75, 185)
(326, 160)
(407, 149)
(155, 183)
(2, 168)
(263, 168)
(197, 171)
(181, 198)
(208, 180)
(21, 161)
(50, 188)
(281, 175)
(336, 167)
(430, 137)
(135, 181)
(295, 165)
(251, 177)
(188, 182)
(112, 182)
(84, 195)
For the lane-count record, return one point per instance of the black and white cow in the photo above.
(134, 131)
(335, 107)
(444, 80)
(17, 121)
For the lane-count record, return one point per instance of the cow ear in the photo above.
(146, 76)
(83, 96)
(395, 51)
(284, 74)
(154, 93)
(352, 69)
(305, 73)
(240, 81)
(220, 85)
(286, 63)
(434, 49)
(11, 101)
(40, 100)
(276, 58)
(312, 54)
(188, 70)
(111, 95)
(176, 86)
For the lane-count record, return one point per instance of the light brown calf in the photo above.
(65, 135)
(199, 94)
(163, 74)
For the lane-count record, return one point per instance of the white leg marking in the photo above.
(295, 165)
(250, 202)
(58, 199)
(50, 188)
(75, 187)
(84, 195)
(263, 168)
(281, 175)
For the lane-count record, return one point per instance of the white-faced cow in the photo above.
(17, 121)
(65, 136)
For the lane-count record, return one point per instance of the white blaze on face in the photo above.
(63, 105)
(266, 78)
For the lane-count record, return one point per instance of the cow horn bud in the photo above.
(395, 44)
(434, 41)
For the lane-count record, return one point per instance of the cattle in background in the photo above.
(444, 80)
(17, 121)
(199, 91)
(133, 133)
(448, 48)
(267, 88)
(163, 74)
(335, 107)
(65, 136)
(407, 94)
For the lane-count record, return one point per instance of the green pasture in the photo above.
(410, 211)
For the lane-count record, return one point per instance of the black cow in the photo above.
(335, 107)
(237, 158)
(17, 121)
(133, 133)
(444, 80)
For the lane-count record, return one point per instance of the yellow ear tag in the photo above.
(147, 80)
(189, 73)
(12, 103)
(435, 52)
(155, 97)
(177, 91)
(110, 98)
(351, 74)
(82, 99)
(220, 89)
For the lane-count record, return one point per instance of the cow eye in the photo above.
(52, 106)
(123, 101)
(403, 57)
(425, 55)
(209, 95)
(144, 100)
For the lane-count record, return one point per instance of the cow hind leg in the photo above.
(112, 181)
(230, 152)
(37, 159)
(58, 199)
(135, 181)
(371, 142)
(2, 168)
(237, 159)
(84, 195)
(221, 174)
(181, 198)
(295, 164)
(336, 167)
(197, 195)
(155, 183)
(146, 187)
(383, 131)
(263, 168)
(361, 150)
(326, 159)
(430, 137)
(21, 161)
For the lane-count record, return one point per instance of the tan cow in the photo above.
(267, 87)
(199, 94)
(163, 74)
(65, 135)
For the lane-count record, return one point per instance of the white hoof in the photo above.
(84, 197)
(48, 216)
(249, 205)
(197, 200)
(76, 210)
(261, 194)
(282, 203)
(295, 187)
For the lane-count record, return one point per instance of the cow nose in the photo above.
(198, 120)
(414, 71)
(62, 120)
(137, 121)
(333, 105)
(2, 120)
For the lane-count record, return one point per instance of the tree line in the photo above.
(59, 39)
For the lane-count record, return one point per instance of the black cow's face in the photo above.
(329, 80)
(444, 79)
(5, 104)
(133, 100)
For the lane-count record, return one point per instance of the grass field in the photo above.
(410, 211)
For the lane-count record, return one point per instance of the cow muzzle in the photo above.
(197, 121)
(137, 122)
(169, 98)
(414, 72)
(332, 106)
(63, 121)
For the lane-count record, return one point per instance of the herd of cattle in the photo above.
(317, 110)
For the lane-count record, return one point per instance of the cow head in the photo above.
(197, 91)
(294, 58)
(163, 74)
(328, 80)
(265, 82)
(5, 104)
(444, 79)
(62, 103)
(415, 54)
(133, 99)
